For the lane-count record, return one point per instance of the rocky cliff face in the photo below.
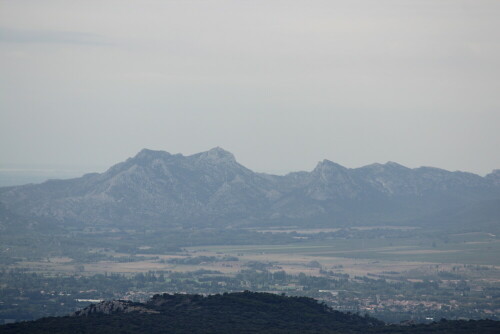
(156, 187)
(113, 306)
(494, 177)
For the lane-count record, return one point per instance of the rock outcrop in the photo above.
(113, 306)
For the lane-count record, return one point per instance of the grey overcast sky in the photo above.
(281, 84)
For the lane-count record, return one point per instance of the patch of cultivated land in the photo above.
(456, 272)
(353, 256)
(484, 252)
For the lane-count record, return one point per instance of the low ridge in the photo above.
(243, 312)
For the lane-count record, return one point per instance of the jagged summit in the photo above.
(147, 154)
(216, 155)
(389, 165)
(329, 165)
(393, 164)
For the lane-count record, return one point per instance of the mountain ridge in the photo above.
(156, 187)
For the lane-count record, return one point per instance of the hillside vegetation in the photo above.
(244, 312)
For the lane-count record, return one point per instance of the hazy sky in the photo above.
(281, 84)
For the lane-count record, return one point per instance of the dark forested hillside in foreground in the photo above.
(245, 312)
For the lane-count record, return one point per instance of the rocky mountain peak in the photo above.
(146, 154)
(395, 165)
(216, 155)
(326, 171)
(328, 166)
(383, 168)
(494, 177)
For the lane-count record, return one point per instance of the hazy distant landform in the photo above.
(212, 189)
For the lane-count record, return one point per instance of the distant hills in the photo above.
(212, 189)
(243, 312)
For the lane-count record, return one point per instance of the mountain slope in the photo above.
(212, 188)
(152, 187)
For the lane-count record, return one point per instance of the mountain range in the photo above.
(212, 189)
